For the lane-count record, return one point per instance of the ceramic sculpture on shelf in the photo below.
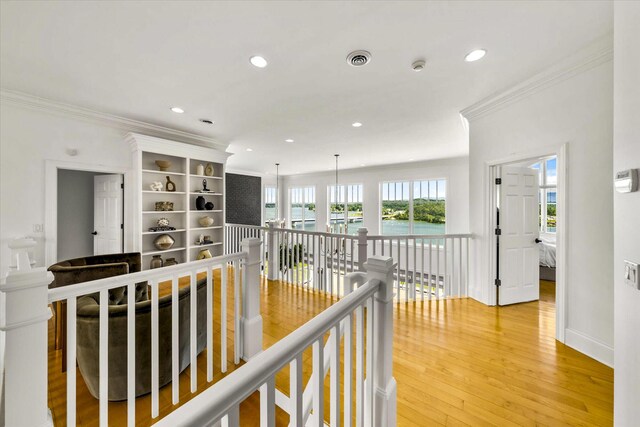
(205, 221)
(156, 186)
(164, 242)
(208, 171)
(208, 206)
(163, 222)
(203, 254)
(204, 186)
(164, 206)
(170, 261)
(200, 169)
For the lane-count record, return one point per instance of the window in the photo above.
(345, 207)
(414, 207)
(548, 192)
(302, 208)
(270, 200)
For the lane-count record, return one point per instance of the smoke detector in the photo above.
(418, 65)
(358, 58)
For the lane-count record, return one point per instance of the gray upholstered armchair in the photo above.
(86, 269)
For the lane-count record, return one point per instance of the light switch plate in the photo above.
(631, 274)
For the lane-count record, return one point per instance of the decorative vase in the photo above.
(200, 169)
(208, 171)
(170, 186)
(170, 261)
(208, 206)
(205, 221)
(200, 203)
(203, 254)
(156, 262)
(164, 242)
(164, 165)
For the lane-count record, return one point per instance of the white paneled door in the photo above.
(519, 258)
(107, 214)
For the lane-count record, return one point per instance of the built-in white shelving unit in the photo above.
(184, 159)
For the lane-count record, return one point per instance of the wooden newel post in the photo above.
(251, 320)
(273, 251)
(362, 248)
(25, 294)
(384, 385)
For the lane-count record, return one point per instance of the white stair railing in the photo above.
(427, 266)
(375, 388)
(27, 297)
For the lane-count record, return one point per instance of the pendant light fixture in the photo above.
(277, 191)
(336, 188)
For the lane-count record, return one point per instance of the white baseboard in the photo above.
(589, 346)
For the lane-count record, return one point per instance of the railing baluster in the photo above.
(131, 354)
(210, 303)
(155, 365)
(438, 246)
(331, 265)
(460, 267)
(71, 361)
(348, 366)
(268, 404)
(398, 296)
(359, 366)
(334, 381)
(352, 269)
(430, 273)
(466, 278)
(237, 339)
(223, 318)
(175, 343)
(104, 357)
(295, 392)
(369, 365)
(446, 258)
(407, 281)
(325, 271)
(318, 383)
(193, 331)
(422, 269)
(414, 270)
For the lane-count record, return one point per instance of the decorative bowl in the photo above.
(164, 206)
(164, 242)
(163, 222)
(205, 221)
(203, 254)
(164, 165)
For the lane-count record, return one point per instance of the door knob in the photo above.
(538, 240)
(95, 233)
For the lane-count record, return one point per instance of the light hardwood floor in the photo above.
(456, 362)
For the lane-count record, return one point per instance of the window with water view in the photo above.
(270, 198)
(548, 193)
(345, 207)
(414, 207)
(302, 208)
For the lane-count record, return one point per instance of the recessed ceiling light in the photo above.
(258, 61)
(363, 164)
(207, 121)
(288, 140)
(177, 110)
(249, 149)
(356, 124)
(475, 55)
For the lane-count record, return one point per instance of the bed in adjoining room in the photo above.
(547, 257)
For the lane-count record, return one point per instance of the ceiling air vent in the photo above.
(358, 58)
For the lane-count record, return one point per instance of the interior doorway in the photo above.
(89, 213)
(528, 229)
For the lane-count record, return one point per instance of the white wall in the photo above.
(454, 170)
(577, 111)
(28, 138)
(626, 155)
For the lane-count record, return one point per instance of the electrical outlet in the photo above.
(631, 274)
(38, 228)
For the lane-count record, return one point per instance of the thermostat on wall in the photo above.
(626, 181)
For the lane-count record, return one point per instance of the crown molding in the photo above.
(32, 102)
(596, 54)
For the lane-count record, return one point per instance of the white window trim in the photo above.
(264, 201)
(544, 187)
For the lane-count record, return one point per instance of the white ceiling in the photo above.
(136, 59)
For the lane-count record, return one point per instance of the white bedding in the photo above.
(547, 250)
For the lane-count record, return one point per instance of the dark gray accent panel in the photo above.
(243, 195)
